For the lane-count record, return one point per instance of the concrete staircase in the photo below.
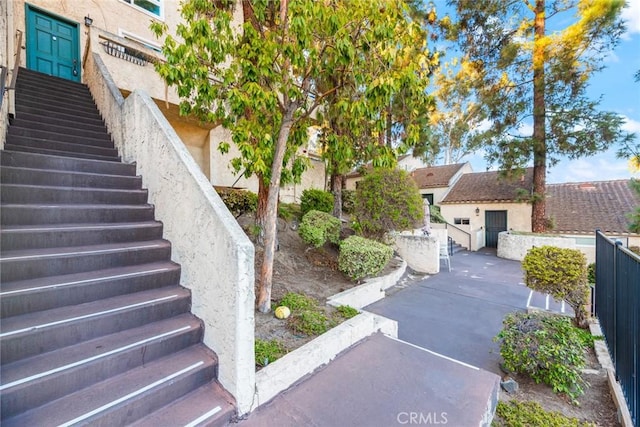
(95, 327)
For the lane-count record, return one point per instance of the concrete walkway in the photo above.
(386, 382)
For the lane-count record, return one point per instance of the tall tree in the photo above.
(534, 70)
(260, 81)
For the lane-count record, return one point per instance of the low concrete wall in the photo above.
(422, 253)
(284, 372)
(515, 246)
(216, 256)
(371, 291)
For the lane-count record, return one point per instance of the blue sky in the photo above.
(620, 93)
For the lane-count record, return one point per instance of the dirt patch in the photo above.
(594, 406)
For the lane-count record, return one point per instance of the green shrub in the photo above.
(591, 273)
(317, 228)
(289, 211)
(546, 347)
(310, 322)
(316, 200)
(268, 351)
(297, 302)
(238, 201)
(347, 312)
(520, 414)
(348, 201)
(386, 200)
(360, 257)
(561, 273)
(436, 215)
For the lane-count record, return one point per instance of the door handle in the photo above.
(75, 67)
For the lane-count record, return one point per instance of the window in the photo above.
(146, 43)
(153, 7)
(429, 197)
(461, 221)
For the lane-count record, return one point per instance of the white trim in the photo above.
(92, 358)
(203, 417)
(86, 316)
(160, 3)
(131, 395)
(127, 35)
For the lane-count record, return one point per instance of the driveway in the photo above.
(458, 313)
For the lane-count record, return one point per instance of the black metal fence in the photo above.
(617, 307)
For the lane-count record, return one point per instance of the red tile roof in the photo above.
(582, 207)
(435, 176)
(489, 187)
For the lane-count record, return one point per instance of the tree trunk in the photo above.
(336, 189)
(261, 209)
(538, 220)
(266, 272)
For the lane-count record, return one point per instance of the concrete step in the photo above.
(22, 237)
(67, 154)
(84, 107)
(52, 213)
(44, 378)
(34, 263)
(66, 147)
(44, 331)
(31, 87)
(409, 385)
(36, 78)
(35, 107)
(46, 293)
(41, 194)
(126, 398)
(44, 161)
(58, 178)
(208, 406)
(60, 133)
(71, 125)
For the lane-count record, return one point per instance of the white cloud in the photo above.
(631, 15)
(630, 125)
(601, 167)
(526, 129)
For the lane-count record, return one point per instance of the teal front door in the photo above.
(52, 45)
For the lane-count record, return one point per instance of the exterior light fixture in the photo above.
(477, 211)
(88, 21)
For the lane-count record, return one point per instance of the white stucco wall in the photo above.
(422, 253)
(7, 59)
(518, 214)
(515, 246)
(216, 256)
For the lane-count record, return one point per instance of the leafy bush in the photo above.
(289, 211)
(318, 227)
(238, 201)
(297, 302)
(360, 257)
(268, 351)
(348, 201)
(316, 200)
(387, 199)
(561, 273)
(347, 312)
(310, 322)
(591, 273)
(436, 215)
(546, 347)
(514, 413)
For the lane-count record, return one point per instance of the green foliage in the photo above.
(314, 199)
(561, 273)
(387, 200)
(360, 257)
(289, 211)
(347, 312)
(634, 217)
(546, 347)
(297, 302)
(310, 322)
(591, 273)
(436, 215)
(348, 201)
(520, 414)
(238, 201)
(268, 351)
(317, 228)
